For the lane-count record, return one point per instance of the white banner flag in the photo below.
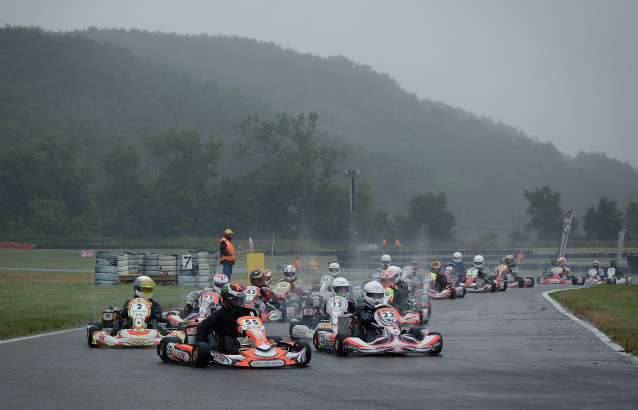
(250, 245)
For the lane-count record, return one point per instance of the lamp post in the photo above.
(352, 175)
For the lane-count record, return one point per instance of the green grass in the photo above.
(611, 308)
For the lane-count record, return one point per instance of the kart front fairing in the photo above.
(397, 344)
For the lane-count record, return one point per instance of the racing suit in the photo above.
(401, 295)
(219, 329)
(192, 299)
(600, 272)
(513, 269)
(123, 321)
(440, 281)
(364, 316)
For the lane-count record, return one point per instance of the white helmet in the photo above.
(334, 268)
(396, 271)
(386, 259)
(341, 287)
(373, 293)
(457, 257)
(290, 273)
(478, 262)
(219, 280)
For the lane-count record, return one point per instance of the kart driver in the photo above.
(438, 278)
(258, 279)
(457, 259)
(290, 276)
(373, 294)
(334, 269)
(192, 299)
(399, 290)
(509, 261)
(562, 262)
(143, 287)
(479, 264)
(219, 329)
(599, 272)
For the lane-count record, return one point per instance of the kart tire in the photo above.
(201, 354)
(493, 288)
(291, 324)
(464, 291)
(98, 324)
(574, 280)
(161, 347)
(416, 332)
(452, 293)
(315, 340)
(504, 286)
(521, 282)
(300, 347)
(531, 279)
(437, 350)
(89, 334)
(339, 344)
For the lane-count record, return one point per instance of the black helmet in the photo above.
(596, 263)
(233, 296)
(257, 276)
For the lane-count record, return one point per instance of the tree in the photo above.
(428, 215)
(604, 221)
(631, 219)
(545, 212)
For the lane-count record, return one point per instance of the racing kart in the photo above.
(618, 277)
(337, 309)
(453, 277)
(594, 277)
(499, 277)
(416, 310)
(473, 283)
(268, 312)
(288, 302)
(205, 303)
(139, 310)
(511, 281)
(388, 337)
(450, 292)
(555, 275)
(256, 349)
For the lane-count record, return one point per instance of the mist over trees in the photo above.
(183, 135)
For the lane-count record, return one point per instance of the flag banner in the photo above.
(250, 245)
(86, 254)
(621, 239)
(567, 224)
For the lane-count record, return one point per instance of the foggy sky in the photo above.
(563, 71)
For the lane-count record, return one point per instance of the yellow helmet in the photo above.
(144, 287)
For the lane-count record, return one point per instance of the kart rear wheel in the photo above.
(531, 280)
(339, 344)
(201, 354)
(521, 282)
(315, 340)
(436, 351)
(293, 323)
(493, 288)
(504, 286)
(161, 347)
(452, 293)
(574, 280)
(89, 334)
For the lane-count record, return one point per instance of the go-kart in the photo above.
(449, 292)
(256, 349)
(555, 275)
(388, 337)
(205, 303)
(288, 302)
(499, 277)
(473, 283)
(618, 277)
(511, 281)
(453, 277)
(416, 310)
(336, 308)
(594, 277)
(268, 311)
(139, 310)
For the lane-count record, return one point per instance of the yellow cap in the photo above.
(228, 232)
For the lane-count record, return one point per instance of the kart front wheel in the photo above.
(339, 340)
(162, 347)
(574, 280)
(291, 324)
(89, 335)
(416, 332)
(300, 347)
(315, 340)
(201, 354)
(521, 282)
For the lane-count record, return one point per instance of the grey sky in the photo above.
(560, 70)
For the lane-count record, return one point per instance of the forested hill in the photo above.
(86, 83)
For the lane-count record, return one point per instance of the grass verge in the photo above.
(613, 309)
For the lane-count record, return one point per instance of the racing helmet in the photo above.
(341, 287)
(144, 287)
(397, 272)
(334, 268)
(373, 293)
(267, 277)
(219, 280)
(414, 262)
(386, 278)
(233, 296)
(561, 261)
(386, 259)
(290, 273)
(457, 257)
(596, 264)
(612, 263)
(478, 262)
(257, 277)
(509, 259)
(435, 267)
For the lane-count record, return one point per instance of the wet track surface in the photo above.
(504, 350)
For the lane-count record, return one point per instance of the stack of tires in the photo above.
(168, 264)
(140, 263)
(133, 263)
(204, 268)
(188, 269)
(151, 264)
(106, 268)
(122, 264)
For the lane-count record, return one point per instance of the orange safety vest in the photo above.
(230, 248)
(397, 243)
(313, 264)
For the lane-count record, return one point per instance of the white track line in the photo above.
(19, 339)
(603, 337)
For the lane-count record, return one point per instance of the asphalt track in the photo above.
(509, 350)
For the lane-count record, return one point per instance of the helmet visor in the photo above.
(147, 289)
(342, 290)
(236, 301)
(375, 295)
